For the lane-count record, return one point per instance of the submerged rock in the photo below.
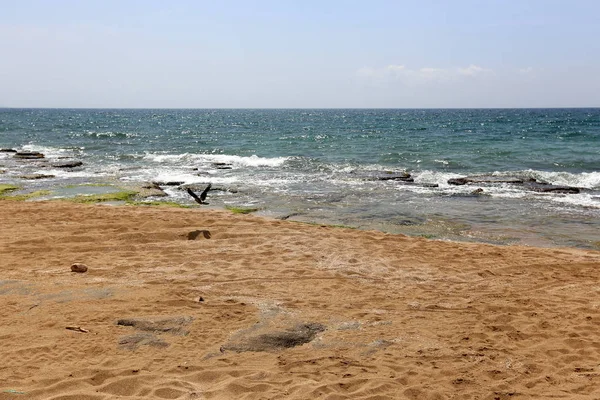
(169, 183)
(485, 179)
(526, 183)
(548, 188)
(68, 164)
(392, 176)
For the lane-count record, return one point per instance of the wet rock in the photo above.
(28, 155)
(393, 176)
(526, 183)
(36, 176)
(279, 340)
(548, 188)
(8, 151)
(485, 179)
(68, 164)
(193, 235)
(169, 183)
(173, 325)
(79, 267)
(477, 191)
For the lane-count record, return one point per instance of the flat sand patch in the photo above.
(268, 309)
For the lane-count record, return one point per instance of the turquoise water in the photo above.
(317, 165)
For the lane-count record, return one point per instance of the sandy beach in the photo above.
(254, 308)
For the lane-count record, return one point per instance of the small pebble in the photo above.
(78, 267)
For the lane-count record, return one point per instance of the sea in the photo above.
(336, 166)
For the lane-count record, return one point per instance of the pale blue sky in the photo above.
(306, 54)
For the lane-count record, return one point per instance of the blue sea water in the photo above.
(317, 165)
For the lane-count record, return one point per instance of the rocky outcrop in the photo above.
(485, 179)
(548, 188)
(526, 183)
(68, 164)
(28, 155)
(36, 176)
(392, 176)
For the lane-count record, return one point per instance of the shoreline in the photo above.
(269, 308)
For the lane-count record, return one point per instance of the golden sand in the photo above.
(267, 309)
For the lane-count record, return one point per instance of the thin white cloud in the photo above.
(527, 70)
(423, 75)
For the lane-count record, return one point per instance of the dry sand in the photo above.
(289, 310)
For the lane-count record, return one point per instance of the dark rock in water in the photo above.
(36, 176)
(485, 179)
(393, 176)
(477, 191)
(548, 188)
(170, 183)
(68, 164)
(151, 185)
(221, 164)
(28, 155)
(273, 341)
(457, 181)
(8, 151)
(526, 183)
(224, 167)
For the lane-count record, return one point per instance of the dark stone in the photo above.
(36, 176)
(78, 267)
(68, 164)
(393, 176)
(527, 183)
(193, 235)
(458, 181)
(170, 183)
(548, 188)
(151, 185)
(485, 179)
(28, 155)
(8, 151)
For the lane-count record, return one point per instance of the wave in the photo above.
(109, 134)
(236, 161)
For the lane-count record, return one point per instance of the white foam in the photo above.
(588, 180)
(238, 161)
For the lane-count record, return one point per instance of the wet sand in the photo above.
(257, 308)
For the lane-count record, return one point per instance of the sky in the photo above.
(299, 54)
